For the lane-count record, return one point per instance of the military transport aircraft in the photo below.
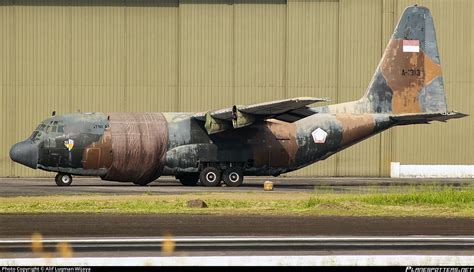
(262, 139)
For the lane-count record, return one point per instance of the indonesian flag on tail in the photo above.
(411, 46)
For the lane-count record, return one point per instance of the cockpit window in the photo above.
(54, 128)
(60, 128)
(41, 127)
(48, 129)
(34, 134)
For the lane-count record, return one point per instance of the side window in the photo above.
(54, 128)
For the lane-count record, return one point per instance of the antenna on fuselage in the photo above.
(53, 113)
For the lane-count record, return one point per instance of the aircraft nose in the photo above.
(25, 153)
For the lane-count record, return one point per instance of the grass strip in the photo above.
(444, 202)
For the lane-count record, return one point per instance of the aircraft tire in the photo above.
(233, 176)
(210, 177)
(188, 179)
(62, 179)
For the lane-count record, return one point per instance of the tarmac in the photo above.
(116, 225)
(166, 185)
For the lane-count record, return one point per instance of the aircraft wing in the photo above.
(240, 116)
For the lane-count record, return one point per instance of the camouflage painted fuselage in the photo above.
(144, 146)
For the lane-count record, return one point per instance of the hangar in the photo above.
(199, 55)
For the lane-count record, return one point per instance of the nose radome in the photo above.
(25, 153)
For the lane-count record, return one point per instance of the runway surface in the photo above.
(46, 186)
(145, 225)
(244, 246)
(120, 227)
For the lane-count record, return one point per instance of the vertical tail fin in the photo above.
(408, 78)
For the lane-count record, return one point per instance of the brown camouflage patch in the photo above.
(99, 154)
(283, 146)
(355, 126)
(406, 74)
(432, 70)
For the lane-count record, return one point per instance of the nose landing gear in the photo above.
(63, 179)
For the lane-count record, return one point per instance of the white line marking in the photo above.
(255, 239)
(343, 260)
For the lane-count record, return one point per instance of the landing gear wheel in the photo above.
(210, 177)
(63, 179)
(233, 177)
(188, 179)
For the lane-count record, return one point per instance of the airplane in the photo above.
(265, 139)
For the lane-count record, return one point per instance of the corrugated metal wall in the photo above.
(190, 55)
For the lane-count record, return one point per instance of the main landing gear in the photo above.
(212, 176)
(233, 176)
(63, 179)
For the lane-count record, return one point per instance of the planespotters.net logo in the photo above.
(439, 269)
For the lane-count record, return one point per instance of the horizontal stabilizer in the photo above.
(419, 118)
